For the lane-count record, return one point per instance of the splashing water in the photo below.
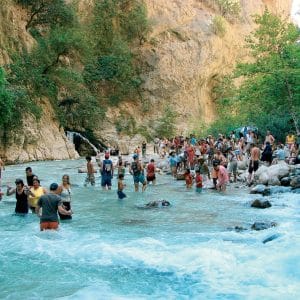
(113, 250)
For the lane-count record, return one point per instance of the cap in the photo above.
(53, 186)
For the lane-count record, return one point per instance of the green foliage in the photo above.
(113, 73)
(7, 101)
(219, 26)
(229, 8)
(166, 124)
(269, 96)
(126, 124)
(48, 13)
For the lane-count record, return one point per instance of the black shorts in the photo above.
(253, 166)
(151, 178)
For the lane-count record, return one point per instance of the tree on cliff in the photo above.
(269, 96)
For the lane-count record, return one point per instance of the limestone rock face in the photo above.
(184, 57)
(41, 140)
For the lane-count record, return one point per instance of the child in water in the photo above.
(188, 179)
(199, 181)
(121, 186)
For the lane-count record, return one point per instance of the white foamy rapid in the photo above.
(295, 12)
(113, 250)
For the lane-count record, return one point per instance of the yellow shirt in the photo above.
(290, 139)
(37, 194)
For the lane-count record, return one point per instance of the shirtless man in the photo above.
(90, 178)
(254, 163)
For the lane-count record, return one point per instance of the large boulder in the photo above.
(260, 204)
(273, 181)
(279, 170)
(264, 178)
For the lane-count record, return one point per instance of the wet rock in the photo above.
(262, 225)
(295, 182)
(258, 189)
(260, 204)
(285, 181)
(273, 181)
(279, 189)
(271, 238)
(239, 228)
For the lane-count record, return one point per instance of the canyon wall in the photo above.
(183, 60)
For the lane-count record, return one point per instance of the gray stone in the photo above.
(262, 225)
(285, 181)
(260, 204)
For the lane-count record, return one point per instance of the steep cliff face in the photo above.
(182, 61)
(185, 57)
(37, 139)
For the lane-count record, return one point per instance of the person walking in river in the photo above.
(107, 172)
(136, 169)
(64, 191)
(50, 205)
(151, 168)
(121, 186)
(254, 163)
(21, 191)
(36, 191)
(2, 168)
(90, 177)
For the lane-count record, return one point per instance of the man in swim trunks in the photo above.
(254, 162)
(50, 204)
(151, 172)
(107, 172)
(136, 169)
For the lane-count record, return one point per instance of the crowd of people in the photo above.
(194, 160)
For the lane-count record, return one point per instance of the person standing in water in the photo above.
(22, 193)
(107, 172)
(151, 172)
(188, 179)
(2, 168)
(223, 177)
(50, 205)
(35, 193)
(29, 176)
(121, 186)
(144, 147)
(136, 169)
(90, 177)
(254, 163)
(64, 191)
(199, 181)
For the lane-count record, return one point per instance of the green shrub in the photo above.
(219, 26)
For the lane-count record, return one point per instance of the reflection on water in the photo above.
(112, 249)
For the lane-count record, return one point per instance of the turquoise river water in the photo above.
(114, 250)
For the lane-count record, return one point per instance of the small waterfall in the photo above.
(72, 134)
(295, 12)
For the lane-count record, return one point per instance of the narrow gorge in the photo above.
(182, 55)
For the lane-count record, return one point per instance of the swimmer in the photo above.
(157, 203)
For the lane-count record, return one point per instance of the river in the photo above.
(114, 250)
